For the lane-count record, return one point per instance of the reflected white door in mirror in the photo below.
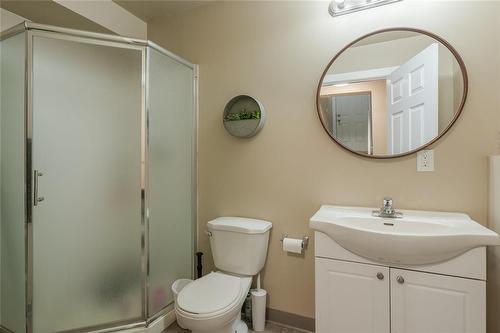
(412, 107)
(422, 272)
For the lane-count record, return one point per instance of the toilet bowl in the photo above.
(212, 304)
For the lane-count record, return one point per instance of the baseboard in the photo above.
(291, 320)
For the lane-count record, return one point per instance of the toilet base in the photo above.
(241, 327)
(237, 326)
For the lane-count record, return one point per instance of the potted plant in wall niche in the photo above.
(243, 116)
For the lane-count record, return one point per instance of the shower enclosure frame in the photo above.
(145, 46)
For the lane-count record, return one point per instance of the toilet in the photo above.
(212, 304)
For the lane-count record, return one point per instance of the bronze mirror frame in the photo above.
(458, 112)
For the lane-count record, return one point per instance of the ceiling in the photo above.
(51, 13)
(148, 10)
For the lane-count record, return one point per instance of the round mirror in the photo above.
(392, 92)
(243, 116)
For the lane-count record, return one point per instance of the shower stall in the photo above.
(98, 180)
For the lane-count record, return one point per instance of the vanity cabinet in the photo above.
(356, 295)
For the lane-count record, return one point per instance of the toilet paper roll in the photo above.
(292, 245)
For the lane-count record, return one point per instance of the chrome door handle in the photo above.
(36, 198)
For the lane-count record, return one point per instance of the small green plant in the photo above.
(243, 115)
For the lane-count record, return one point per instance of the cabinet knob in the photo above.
(380, 276)
(400, 279)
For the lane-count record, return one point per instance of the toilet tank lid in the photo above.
(239, 224)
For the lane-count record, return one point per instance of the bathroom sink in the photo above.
(418, 238)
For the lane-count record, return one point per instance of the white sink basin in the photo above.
(418, 238)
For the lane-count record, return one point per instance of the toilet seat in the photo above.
(212, 295)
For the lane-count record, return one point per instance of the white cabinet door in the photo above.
(430, 303)
(351, 298)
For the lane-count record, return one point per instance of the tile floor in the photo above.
(270, 328)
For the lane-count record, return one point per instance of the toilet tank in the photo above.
(239, 245)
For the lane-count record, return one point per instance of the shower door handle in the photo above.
(36, 198)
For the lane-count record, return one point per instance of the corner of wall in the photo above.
(164, 31)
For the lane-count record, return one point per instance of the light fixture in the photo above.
(341, 84)
(341, 7)
(339, 3)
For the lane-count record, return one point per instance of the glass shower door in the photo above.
(87, 99)
(171, 195)
(12, 201)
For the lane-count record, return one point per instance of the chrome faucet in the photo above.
(387, 210)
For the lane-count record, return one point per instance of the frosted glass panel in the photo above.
(12, 252)
(86, 142)
(171, 162)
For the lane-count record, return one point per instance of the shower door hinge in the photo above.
(29, 310)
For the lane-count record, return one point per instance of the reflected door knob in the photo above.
(380, 276)
(400, 279)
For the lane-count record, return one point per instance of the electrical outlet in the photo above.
(425, 160)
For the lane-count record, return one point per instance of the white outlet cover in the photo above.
(425, 160)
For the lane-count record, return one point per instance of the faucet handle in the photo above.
(387, 202)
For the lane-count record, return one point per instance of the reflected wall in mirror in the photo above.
(392, 92)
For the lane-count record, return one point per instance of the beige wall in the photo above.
(109, 15)
(378, 92)
(9, 19)
(277, 51)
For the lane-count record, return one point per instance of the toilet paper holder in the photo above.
(305, 240)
